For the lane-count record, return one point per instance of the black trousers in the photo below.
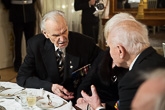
(29, 31)
(91, 30)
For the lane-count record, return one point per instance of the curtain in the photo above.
(6, 39)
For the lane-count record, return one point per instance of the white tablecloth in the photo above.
(12, 104)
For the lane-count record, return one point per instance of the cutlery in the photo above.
(19, 91)
(9, 98)
(18, 97)
(5, 97)
(50, 101)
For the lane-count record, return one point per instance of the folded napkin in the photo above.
(67, 106)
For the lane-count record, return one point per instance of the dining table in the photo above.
(12, 97)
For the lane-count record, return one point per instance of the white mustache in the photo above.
(61, 42)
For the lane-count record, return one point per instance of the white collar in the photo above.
(63, 50)
(130, 67)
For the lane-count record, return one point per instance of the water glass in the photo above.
(23, 98)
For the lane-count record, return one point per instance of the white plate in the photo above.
(10, 92)
(10, 85)
(43, 103)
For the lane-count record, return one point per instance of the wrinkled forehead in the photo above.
(57, 24)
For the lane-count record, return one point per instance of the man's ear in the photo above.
(45, 34)
(121, 51)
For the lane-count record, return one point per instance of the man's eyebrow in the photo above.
(55, 35)
(64, 31)
(59, 34)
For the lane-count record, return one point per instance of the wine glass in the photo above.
(31, 101)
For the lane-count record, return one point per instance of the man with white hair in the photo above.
(129, 48)
(97, 69)
(53, 56)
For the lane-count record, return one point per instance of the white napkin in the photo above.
(67, 106)
(41, 92)
(35, 92)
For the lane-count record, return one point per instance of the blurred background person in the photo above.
(151, 94)
(23, 17)
(90, 22)
(160, 3)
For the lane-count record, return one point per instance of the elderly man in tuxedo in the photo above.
(41, 65)
(129, 48)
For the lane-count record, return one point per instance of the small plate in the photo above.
(43, 103)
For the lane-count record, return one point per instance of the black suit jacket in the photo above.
(20, 13)
(147, 61)
(39, 69)
(87, 12)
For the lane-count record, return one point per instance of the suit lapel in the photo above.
(49, 58)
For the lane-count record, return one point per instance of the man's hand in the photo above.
(92, 2)
(81, 103)
(62, 92)
(80, 100)
(94, 100)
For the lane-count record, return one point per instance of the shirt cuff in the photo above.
(98, 108)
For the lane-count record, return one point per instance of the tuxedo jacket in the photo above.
(147, 61)
(39, 69)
